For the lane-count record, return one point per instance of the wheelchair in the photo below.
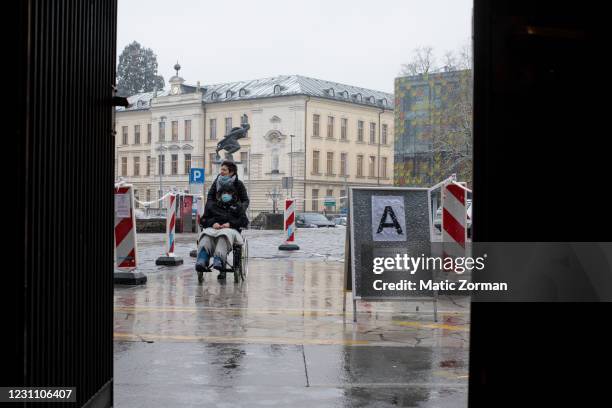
(237, 263)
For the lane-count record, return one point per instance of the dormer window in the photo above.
(344, 94)
(242, 92)
(277, 89)
(228, 94)
(140, 103)
(330, 92)
(371, 99)
(383, 101)
(358, 97)
(214, 96)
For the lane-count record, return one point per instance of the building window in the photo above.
(174, 130)
(360, 165)
(211, 160)
(136, 199)
(124, 134)
(148, 165)
(343, 164)
(188, 130)
(330, 127)
(343, 126)
(360, 130)
(187, 163)
(148, 196)
(244, 158)
(383, 167)
(137, 134)
(384, 134)
(162, 164)
(330, 193)
(149, 137)
(228, 125)
(160, 202)
(372, 166)
(277, 89)
(372, 132)
(162, 131)
(213, 129)
(124, 166)
(315, 200)
(315, 126)
(137, 166)
(315, 162)
(330, 163)
(342, 200)
(174, 164)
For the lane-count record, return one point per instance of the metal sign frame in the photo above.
(433, 299)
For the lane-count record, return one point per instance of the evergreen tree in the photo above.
(137, 71)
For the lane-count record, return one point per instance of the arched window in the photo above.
(358, 97)
(277, 89)
(331, 92)
(228, 94)
(214, 96)
(242, 92)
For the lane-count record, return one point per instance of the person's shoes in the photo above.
(221, 276)
(202, 262)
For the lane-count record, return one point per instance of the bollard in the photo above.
(170, 259)
(199, 213)
(125, 238)
(289, 226)
(454, 220)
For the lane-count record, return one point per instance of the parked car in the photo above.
(340, 220)
(312, 220)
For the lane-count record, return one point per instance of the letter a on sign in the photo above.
(388, 218)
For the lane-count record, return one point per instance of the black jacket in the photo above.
(217, 211)
(241, 193)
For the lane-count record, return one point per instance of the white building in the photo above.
(326, 135)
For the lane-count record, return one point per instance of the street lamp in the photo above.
(291, 165)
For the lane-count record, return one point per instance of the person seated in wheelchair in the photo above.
(221, 224)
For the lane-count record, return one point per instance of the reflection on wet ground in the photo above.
(282, 338)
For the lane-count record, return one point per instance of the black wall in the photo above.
(58, 269)
(541, 168)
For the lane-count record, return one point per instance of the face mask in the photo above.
(226, 197)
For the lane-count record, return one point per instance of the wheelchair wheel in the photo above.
(244, 260)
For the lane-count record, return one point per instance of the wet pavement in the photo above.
(281, 338)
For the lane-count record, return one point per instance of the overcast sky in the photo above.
(357, 42)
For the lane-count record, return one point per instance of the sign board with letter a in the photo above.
(388, 223)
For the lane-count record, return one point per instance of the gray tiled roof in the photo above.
(287, 85)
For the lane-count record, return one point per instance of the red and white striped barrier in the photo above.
(454, 220)
(289, 226)
(170, 258)
(125, 228)
(126, 251)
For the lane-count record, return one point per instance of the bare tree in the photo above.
(422, 62)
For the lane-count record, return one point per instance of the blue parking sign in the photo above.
(196, 175)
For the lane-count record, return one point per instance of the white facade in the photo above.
(265, 156)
